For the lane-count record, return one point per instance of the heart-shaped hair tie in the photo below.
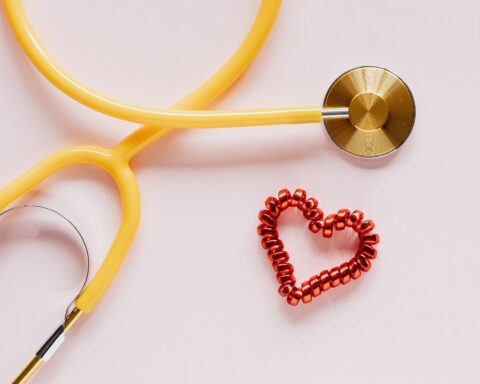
(318, 223)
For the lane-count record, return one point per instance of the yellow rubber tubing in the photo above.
(115, 162)
(217, 84)
(144, 115)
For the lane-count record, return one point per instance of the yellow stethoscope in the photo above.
(368, 112)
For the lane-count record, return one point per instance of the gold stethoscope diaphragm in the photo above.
(381, 112)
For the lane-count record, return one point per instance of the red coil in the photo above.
(341, 275)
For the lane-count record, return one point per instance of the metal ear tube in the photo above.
(54, 342)
(49, 348)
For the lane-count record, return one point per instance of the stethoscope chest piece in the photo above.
(381, 109)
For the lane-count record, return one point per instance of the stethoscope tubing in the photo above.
(177, 117)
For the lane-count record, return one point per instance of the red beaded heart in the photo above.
(327, 279)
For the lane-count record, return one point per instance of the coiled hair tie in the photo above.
(318, 223)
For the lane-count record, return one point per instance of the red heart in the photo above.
(327, 279)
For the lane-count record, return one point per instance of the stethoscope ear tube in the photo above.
(50, 347)
(56, 340)
(43, 355)
(52, 344)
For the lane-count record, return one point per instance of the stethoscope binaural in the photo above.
(368, 112)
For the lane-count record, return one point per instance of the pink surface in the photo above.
(196, 300)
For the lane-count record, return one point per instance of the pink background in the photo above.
(196, 300)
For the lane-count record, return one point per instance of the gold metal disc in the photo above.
(381, 108)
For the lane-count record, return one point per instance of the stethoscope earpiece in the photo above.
(381, 111)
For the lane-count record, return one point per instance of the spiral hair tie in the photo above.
(320, 224)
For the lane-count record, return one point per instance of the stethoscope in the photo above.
(368, 112)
